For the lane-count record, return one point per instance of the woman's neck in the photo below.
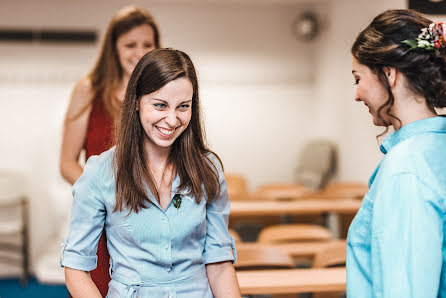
(156, 157)
(409, 108)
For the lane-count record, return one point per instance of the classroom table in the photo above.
(288, 281)
(297, 250)
(295, 207)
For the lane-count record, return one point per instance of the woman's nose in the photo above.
(171, 117)
(141, 51)
(357, 96)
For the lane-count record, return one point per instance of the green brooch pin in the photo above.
(177, 201)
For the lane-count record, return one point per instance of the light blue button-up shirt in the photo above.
(396, 245)
(153, 253)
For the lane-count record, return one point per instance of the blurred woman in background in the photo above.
(97, 98)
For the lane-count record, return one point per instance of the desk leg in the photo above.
(334, 225)
(331, 221)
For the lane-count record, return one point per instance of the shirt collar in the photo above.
(433, 124)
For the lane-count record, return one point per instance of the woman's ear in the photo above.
(391, 74)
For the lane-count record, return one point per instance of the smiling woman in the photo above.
(160, 193)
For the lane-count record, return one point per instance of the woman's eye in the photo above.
(130, 45)
(356, 82)
(160, 105)
(148, 46)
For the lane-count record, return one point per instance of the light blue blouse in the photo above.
(153, 253)
(396, 243)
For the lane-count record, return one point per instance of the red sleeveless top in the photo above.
(100, 129)
(100, 139)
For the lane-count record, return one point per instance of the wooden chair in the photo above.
(332, 256)
(235, 235)
(261, 258)
(294, 233)
(280, 191)
(237, 186)
(264, 257)
(344, 190)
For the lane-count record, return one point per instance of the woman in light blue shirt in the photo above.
(396, 245)
(160, 194)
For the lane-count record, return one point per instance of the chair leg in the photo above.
(25, 245)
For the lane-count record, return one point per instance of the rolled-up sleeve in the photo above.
(407, 239)
(87, 220)
(219, 246)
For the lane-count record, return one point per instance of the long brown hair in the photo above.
(107, 71)
(381, 45)
(189, 154)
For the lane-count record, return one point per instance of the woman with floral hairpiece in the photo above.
(396, 243)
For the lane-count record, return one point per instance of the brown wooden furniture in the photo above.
(309, 206)
(297, 250)
(341, 190)
(289, 281)
(332, 255)
(236, 184)
(294, 233)
(235, 235)
(262, 257)
(280, 191)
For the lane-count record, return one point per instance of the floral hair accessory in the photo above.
(430, 38)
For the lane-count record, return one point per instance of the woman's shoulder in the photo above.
(419, 158)
(83, 87)
(102, 163)
(81, 97)
(215, 160)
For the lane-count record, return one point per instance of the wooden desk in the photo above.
(295, 250)
(298, 207)
(288, 281)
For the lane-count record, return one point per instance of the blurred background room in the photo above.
(275, 75)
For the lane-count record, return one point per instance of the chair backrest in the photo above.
(281, 191)
(235, 235)
(294, 233)
(237, 185)
(333, 255)
(262, 257)
(317, 164)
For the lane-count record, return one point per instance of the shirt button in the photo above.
(163, 218)
(168, 269)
